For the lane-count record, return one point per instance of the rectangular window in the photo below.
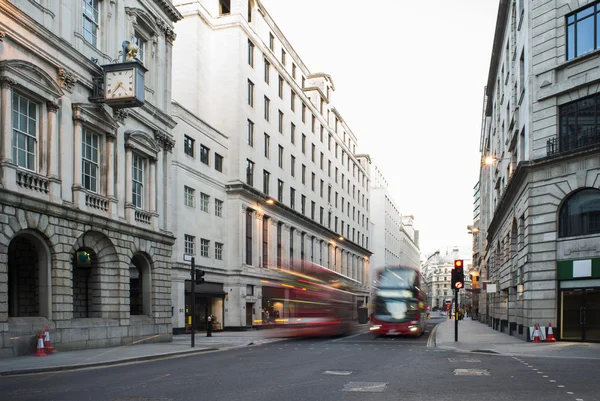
(218, 208)
(90, 21)
(293, 133)
(321, 212)
(303, 112)
(283, 57)
(303, 204)
(224, 7)
(279, 245)
(312, 181)
(189, 244)
(312, 124)
(280, 123)
(292, 198)
(583, 35)
(303, 143)
(218, 251)
(250, 53)
(90, 154)
(265, 238)
(137, 180)
(204, 154)
(293, 166)
(292, 232)
(280, 90)
(218, 162)
(250, 133)
(250, 93)
(267, 106)
(313, 207)
(204, 199)
(266, 182)
(249, 237)
(204, 247)
(188, 146)
(249, 172)
(293, 100)
(280, 191)
(321, 188)
(329, 168)
(293, 70)
(267, 146)
(140, 42)
(271, 42)
(303, 174)
(267, 70)
(189, 196)
(280, 159)
(312, 152)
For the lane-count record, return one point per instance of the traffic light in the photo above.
(458, 274)
(83, 259)
(199, 276)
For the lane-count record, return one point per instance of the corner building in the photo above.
(286, 143)
(540, 197)
(80, 176)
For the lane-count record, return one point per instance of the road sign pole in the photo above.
(193, 301)
(456, 314)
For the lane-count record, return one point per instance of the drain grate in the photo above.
(365, 387)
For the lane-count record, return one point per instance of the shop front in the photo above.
(209, 300)
(579, 300)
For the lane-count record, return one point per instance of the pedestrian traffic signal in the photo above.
(199, 276)
(458, 274)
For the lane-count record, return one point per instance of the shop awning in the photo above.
(206, 288)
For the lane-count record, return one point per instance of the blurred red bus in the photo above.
(313, 302)
(399, 303)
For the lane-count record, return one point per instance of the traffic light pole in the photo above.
(456, 314)
(193, 301)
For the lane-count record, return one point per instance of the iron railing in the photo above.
(572, 141)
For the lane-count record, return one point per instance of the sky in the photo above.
(409, 82)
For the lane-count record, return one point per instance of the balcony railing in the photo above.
(143, 217)
(32, 181)
(97, 202)
(572, 141)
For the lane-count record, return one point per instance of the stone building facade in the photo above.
(540, 194)
(85, 242)
(294, 187)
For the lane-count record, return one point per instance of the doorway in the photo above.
(580, 315)
(249, 309)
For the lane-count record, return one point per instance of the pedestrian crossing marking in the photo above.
(365, 387)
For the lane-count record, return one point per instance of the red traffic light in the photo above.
(458, 263)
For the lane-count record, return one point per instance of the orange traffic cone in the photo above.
(536, 334)
(40, 346)
(47, 346)
(550, 338)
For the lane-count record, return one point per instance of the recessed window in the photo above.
(293, 100)
(266, 182)
(250, 93)
(580, 214)
(24, 131)
(204, 154)
(224, 7)
(249, 172)
(140, 42)
(271, 42)
(189, 242)
(582, 36)
(189, 196)
(267, 146)
(292, 198)
(188, 146)
(90, 21)
(204, 247)
(250, 53)
(218, 162)
(280, 122)
(90, 160)
(218, 208)
(267, 70)
(218, 251)
(137, 180)
(267, 107)
(250, 133)
(280, 91)
(204, 200)
(283, 54)
(280, 160)
(280, 191)
(293, 133)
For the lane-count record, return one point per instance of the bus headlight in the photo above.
(413, 328)
(375, 327)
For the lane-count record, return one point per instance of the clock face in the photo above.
(119, 84)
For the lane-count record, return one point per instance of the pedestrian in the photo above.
(209, 326)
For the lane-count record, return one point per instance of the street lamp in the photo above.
(270, 201)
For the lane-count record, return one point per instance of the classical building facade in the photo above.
(540, 196)
(85, 244)
(437, 274)
(293, 188)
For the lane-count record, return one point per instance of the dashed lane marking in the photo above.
(338, 372)
(471, 372)
(365, 387)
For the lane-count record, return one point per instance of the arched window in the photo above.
(580, 214)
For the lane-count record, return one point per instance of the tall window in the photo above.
(279, 230)
(90, 21)
(271, 42)
(137, 178)
(91, 159)
(249, 236)
(267, 106)
(267, 146)
(218, 162)
(140, 42)
(293, 133)
(280, 159)
(292, 198)
(267, 70)
(250, 53)
(189, 241)
(579, 122)
(218, 251)
(292, 232)
(204, 200)
(280, 88)
(582, 36)
(580, 214)
(224, 7)
(266, 182)
(249, 172)
(188, 146)
(265, 239)
(280, 122)
(250, 133)
(293, 100)
(250, 93)
(218, 208)
(204, 247)
(293, 166)
(280, 191)
(24, 131)
(189, 196)
(303, 204)
(204, 154)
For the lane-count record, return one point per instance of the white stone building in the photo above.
(80, 176)
(540, 197)
(437, 274)
(286, 144)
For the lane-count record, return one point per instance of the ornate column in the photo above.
(78, 195)
(110, 166)
(128, 176)
(6, 120)
(152, 193)
(53, 145)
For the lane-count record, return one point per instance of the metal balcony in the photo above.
(572, 141)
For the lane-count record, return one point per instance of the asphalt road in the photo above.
(357, 367)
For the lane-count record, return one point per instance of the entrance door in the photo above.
(581, 315)
(249, 309)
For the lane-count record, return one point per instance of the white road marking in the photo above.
(338, 372)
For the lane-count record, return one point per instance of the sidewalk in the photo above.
(474, 336)
(180, 346)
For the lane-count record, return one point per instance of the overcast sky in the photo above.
(409, 79)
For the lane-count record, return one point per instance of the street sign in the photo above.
(187, 258)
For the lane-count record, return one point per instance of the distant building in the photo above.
(437, 275)
(538, 185)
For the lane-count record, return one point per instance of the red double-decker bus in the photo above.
(399, 303)
(315, 301)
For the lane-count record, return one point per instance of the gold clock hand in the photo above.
(116, 87)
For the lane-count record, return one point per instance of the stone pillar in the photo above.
(257, 239)
(6, 130)
(78, 194)
(242, 231)
(152, 193)
(110, 175)
(167, 162)
(128, 188)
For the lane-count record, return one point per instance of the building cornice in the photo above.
(168, 8)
